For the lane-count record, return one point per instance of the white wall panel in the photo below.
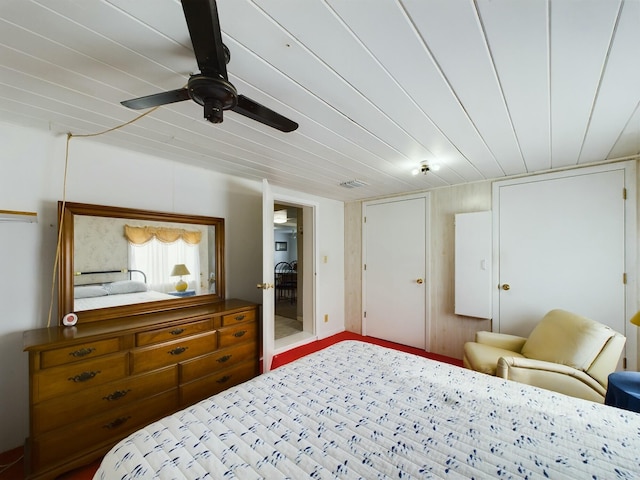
(473, 274)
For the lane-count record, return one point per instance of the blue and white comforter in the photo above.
(359, 411)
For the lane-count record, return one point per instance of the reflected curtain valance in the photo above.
(141, 235)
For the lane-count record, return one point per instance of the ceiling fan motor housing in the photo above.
(215, 94)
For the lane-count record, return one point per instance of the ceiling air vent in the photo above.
(353, 184)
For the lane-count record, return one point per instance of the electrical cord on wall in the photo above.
(64, 200)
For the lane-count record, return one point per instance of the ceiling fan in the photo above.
(211, 87)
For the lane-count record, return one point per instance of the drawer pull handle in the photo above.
(177, 331)
(224, 379)
(83, 377)
(224, 359)
(178, 350)
(240, 333)
(239, 317)
(117, 395)
(83, 352)
(116, 423)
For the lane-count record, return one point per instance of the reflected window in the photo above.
(157, 260)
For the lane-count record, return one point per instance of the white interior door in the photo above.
(395, 256)
(268, 297)
(561, 244)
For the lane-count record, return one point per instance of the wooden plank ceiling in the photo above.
(484, 88)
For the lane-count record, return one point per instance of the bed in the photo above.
(90, 296)
(360, 411)
(108, 299)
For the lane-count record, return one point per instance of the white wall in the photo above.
(31, 179)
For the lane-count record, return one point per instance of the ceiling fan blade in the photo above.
(211, 88)
(157, 99)
(262, 114)
(204, 29)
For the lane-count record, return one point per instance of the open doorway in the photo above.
(292, 266)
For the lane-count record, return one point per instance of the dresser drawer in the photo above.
(61, 356)
(173, 333)
(243, 332)
(61, 411)
(78, 376)
(225, 358)
(235, 318)
(211, 384)
(107, 427)
(150, 358)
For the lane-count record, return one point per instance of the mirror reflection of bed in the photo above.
(131, 288)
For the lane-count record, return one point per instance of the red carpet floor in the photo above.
(296, 353)
(86, 473)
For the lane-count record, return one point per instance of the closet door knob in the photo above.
(506, 286)
(420, 281)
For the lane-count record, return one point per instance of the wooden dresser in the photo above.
(91, 385)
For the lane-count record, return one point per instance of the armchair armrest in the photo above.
(551, 376)
(512, 343)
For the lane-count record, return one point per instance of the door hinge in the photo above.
(624, 278)
(365, 314)
(364, 267)
(364, 219)
(624, 193)
(624, 363)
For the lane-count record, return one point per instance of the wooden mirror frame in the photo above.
(66, 214)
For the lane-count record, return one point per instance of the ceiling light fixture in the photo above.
(425, 168)
(280, 216)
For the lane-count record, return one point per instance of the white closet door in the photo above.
(561, 243)
(395, 287)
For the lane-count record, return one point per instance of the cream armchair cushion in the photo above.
(567, 338)
(566, 353)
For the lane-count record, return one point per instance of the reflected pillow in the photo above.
(126, 286)
(89, 291)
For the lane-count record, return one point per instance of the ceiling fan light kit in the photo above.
(425, 168)
(211, 87)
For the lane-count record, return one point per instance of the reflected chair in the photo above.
(565, 352)
(290, 284)
(286, 281)
(279, 276)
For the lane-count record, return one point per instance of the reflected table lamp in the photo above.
(179, 270)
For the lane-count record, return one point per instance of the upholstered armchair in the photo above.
(565, 352)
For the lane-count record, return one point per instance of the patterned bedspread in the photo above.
(359, 411)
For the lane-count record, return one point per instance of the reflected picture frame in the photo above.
(281, 246)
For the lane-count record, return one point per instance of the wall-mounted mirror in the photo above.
(116, 261)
